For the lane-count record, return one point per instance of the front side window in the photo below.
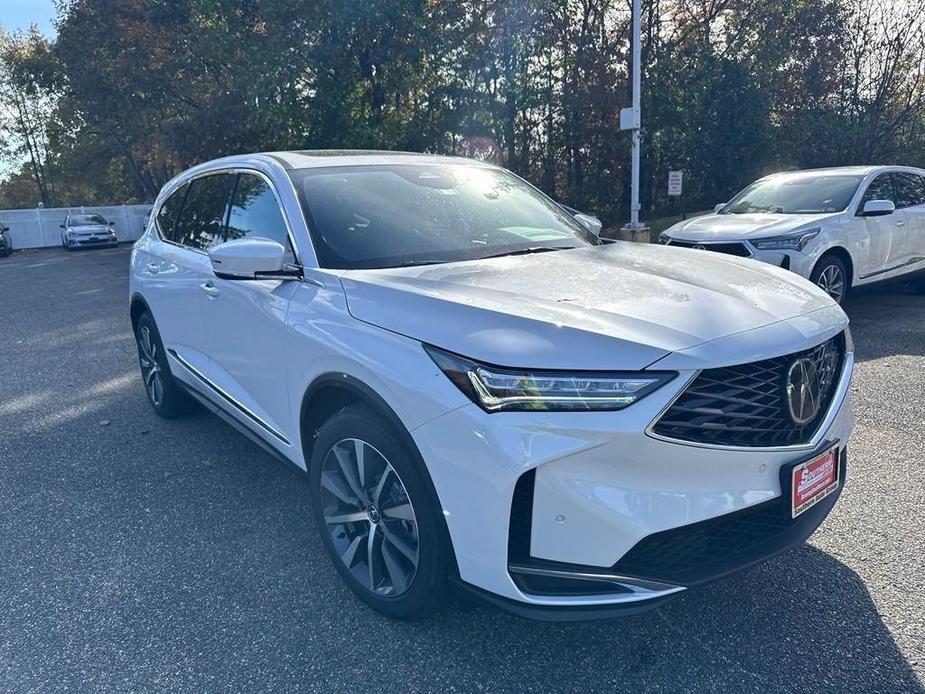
(255, 212)
(910, 190)
(796, 194)
(391, 215)
(200, 221)
(881, 188)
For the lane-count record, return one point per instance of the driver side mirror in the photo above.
(719, 208)
(250, 259)
(878, 208)
(591, 223)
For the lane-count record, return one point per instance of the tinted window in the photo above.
(390, 215)
(167, 215)
(255, 212)
(202, 215)
(881, 188)
(909, 189)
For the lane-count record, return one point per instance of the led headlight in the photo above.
(495, 389)
(790, 242)
(664, 238)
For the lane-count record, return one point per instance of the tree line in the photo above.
(130, 92)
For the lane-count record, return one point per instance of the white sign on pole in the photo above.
(675, 182)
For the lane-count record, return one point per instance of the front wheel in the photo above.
(378, 515)
(831, 275)
(165, 395)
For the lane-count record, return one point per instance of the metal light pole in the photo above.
(631, 119)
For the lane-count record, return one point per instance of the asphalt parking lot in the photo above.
(138, 554)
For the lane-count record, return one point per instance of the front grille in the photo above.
(704, 551)
(737, 249)
(746, 405)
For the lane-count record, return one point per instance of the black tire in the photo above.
(831, 275)
(396, 591)
(165, 395)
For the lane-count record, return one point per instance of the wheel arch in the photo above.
(842, 254)
(330, 393)
(137, 306)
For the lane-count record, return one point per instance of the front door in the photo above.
(885, 234)
(245, 321)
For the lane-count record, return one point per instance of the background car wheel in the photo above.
(831, 275)
(378, 515)
(166, 397)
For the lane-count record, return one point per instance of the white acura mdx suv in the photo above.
(840, 227)
(483, 393)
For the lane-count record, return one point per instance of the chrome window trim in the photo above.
(228, 398)
(229, 168)
(838, 399)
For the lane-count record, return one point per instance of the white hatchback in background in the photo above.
(839, 227)
(481, 391)
(87, 231)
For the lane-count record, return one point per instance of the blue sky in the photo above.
(19, 14)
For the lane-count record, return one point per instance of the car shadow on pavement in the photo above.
(887, 320)
(801, 622)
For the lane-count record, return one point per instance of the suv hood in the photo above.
(621, 306)
(734, 227)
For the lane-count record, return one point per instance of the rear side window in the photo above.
(167, 215)
(910, 189)
(202, 216)
(255, 212)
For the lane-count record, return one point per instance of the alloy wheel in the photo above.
(369, 517)
(832, 282)
(150, 369)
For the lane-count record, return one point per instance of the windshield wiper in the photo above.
(527, 251)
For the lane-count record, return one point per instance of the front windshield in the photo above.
(392, 215)
(79, 220)
(796, 194)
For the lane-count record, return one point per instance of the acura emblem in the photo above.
(802, 391)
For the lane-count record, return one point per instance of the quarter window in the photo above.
(910, 189)
(255, 212)
(203, 213)
(167, 215)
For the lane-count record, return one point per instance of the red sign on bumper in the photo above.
(812, 481)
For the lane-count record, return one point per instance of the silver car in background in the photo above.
(86, 230)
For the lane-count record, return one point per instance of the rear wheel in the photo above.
(166, 396)
(831, 275)
(378, 515)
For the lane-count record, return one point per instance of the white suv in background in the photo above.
(482, 392)
(840, 227)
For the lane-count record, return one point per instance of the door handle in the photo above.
(901, 223)
(210, 289)
(153, 268)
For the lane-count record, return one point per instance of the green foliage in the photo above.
(133, 91)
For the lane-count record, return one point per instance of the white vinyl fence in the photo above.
(40, 227)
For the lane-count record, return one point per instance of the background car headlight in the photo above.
(664, 238)
(790, 242)
(495, 389)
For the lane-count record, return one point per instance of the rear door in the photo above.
(245, 320)
(179, 270)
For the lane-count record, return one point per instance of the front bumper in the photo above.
(599, 487)
(93, 240)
